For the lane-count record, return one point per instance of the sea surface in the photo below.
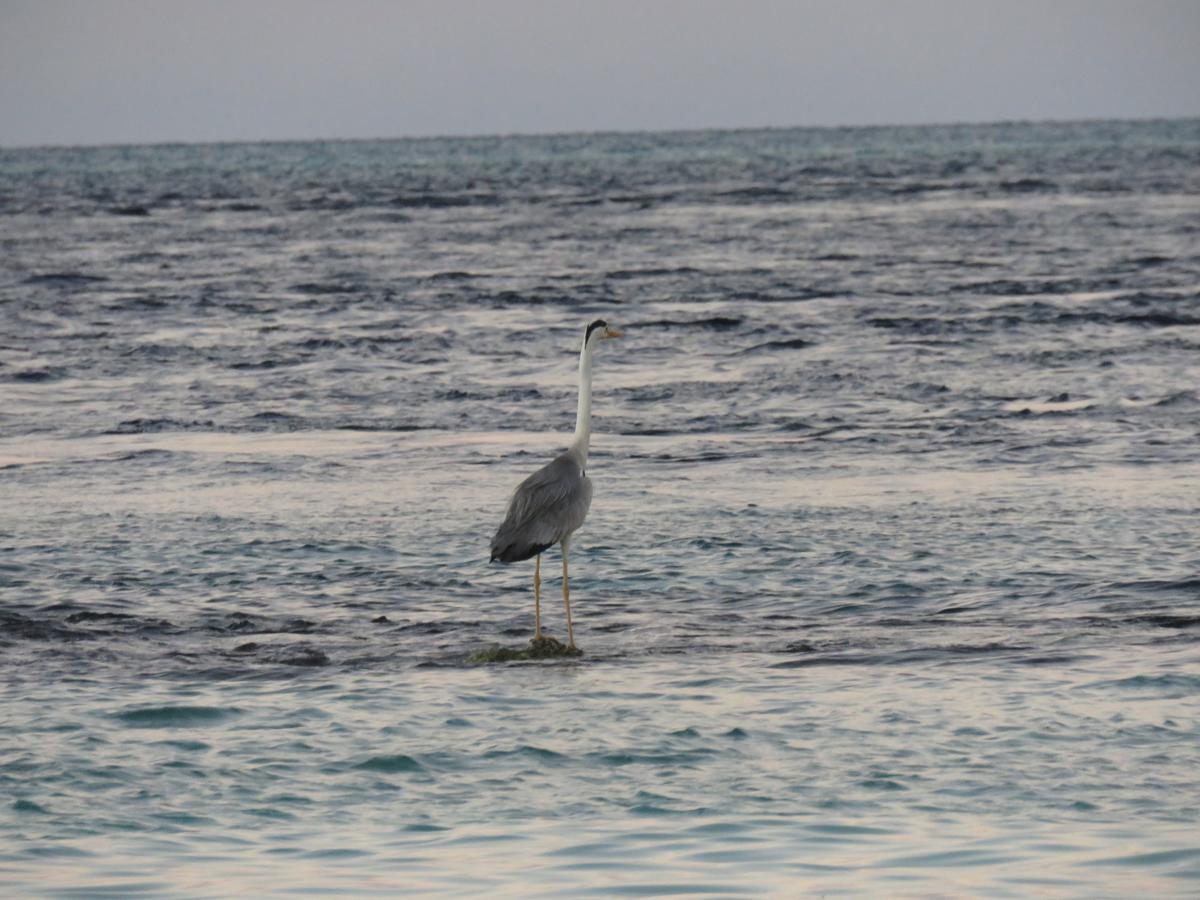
(890, 585)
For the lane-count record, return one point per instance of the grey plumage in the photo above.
(550, 504)
(545, 508)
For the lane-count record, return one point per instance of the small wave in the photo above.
(1157, 319)
(134, 209)
(391, 764)
(28, 806)
(453, 276)
(301, 655)
(1145, 262)
(1011, 287)
(541, 754)
(757, 194)
(1167, 620)
(64, 278)
(628, 274)
(712, 323)
(1189, 584)
(88, 616)
(430, 200)
(154, 426)
(791, 344)
(317, 288)
(1059, 405)
(275, 421)
(244, 623)
(910, 323)
(175, 716)
(1156, 858)
(1171, 686)
(18, 627)
(37, 376)
(1026, 185)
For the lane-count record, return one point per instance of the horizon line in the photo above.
(466, 136)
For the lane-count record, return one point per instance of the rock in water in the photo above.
(544, 647)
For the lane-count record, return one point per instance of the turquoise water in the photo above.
(890, 586)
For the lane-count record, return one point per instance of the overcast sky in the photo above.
(117, 71)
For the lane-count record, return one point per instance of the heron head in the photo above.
(599, 330)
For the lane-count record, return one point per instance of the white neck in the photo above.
(583, 420)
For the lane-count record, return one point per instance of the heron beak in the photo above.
(612, 332)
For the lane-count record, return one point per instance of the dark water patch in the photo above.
(1187, 585)
(629, 274)
(510, 298)
(949, 859)
(1149, 261)
(1179, 398)
(757, 194)
(137, 302)
(912, 324)
(156, 425)
(264, 364)
(1011, 287)
(787, 295)
(106, 617)
(135, 210)
(36, 376)
(1156, 858)
(432, 200)
(790, 344)
(642, 200)
(150, 454)
(925, 389)
(64, 279)
(271, 420)
(298, 654)
(14, 626)
(324, 288)
(454, 276)
(527, 751)
(270, 812)
(1166, 620)
(711, 323)
(1170, 686)
(923, 187)
(1156, 319)
(882, 784)
(655, 758)
(246, 623)
(390, 764)
(28, 806)
(188, 746)
(175, 716)
(1026, 185)
(948, 654)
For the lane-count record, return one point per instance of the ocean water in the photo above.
(890, 585)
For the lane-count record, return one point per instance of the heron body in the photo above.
(545, 508)
(550, 505)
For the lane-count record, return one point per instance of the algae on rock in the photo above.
(544, 647)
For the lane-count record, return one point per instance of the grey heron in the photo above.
(549, 505)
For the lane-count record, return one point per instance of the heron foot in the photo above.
(545, 647)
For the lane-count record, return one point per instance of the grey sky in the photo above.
(78, 71)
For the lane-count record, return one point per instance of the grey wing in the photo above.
(546, 507)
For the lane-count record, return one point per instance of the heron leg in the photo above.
(566, 544)
(537, 599)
